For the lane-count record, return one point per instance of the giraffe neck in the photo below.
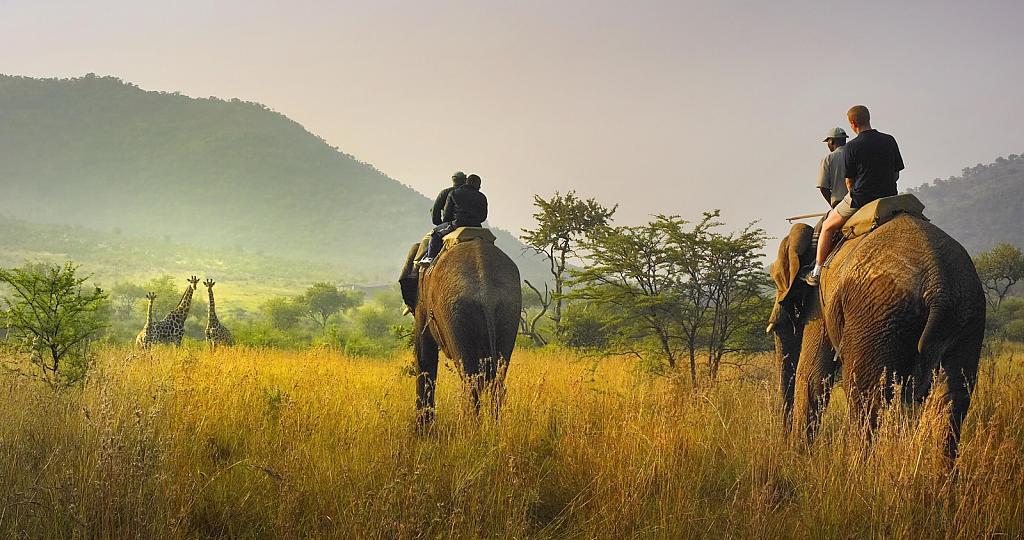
(149, 314)
(181, 312)
(213, 310)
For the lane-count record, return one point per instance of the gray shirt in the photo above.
(832, 174)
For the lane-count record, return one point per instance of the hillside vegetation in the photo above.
(249, 443)
(101, 153)
(982, 207)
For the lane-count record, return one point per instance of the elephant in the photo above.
(901, 304)
(468, 304)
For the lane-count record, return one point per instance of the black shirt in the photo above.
(439, 202)
(466, 207)
(872, 161)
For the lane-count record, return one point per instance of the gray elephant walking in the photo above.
(903, 303)
(468, 305)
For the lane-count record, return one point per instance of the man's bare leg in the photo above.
(833, 224)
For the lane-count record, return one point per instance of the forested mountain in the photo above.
(982, 207)
(101, 153)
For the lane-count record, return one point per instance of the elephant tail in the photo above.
(939, 328)
(492, 336)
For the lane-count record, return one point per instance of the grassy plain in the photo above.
(266, 444)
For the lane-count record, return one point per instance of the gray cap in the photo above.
(835, 133)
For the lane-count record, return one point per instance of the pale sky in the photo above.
(663, 107)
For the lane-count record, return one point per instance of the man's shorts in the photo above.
(845, 208)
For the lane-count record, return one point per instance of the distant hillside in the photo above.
(101, 153)
(982, 207)
(110, 258)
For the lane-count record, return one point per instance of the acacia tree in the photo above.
(1000, 269)
(321, 300)
(563, 223)
(53, 317)
(682, 287)
(125, 296)
(737, 288)
(630, 273)
(687, 250)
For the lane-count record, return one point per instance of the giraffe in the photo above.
(145, 338)
(216, 333)
(172, 328)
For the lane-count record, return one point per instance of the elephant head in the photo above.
(468, 305)
(786, 323)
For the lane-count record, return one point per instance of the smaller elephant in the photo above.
(468, 305)
(902, 304)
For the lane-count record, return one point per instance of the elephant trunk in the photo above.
(787, 337)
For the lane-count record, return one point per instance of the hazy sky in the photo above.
(664, 107)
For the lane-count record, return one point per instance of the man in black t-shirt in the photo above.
(873, 164)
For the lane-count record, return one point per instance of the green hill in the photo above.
(101, 153)
(982, 207)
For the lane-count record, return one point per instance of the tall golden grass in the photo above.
(263, 444)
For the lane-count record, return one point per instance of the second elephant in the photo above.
(903, 303)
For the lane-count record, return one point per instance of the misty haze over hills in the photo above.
(101, 153)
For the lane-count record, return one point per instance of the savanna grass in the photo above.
(264, 444)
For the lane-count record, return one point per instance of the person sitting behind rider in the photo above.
(458, 179)
(466, 207)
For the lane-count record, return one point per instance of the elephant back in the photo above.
(905, 263)
(470, 299)
(472, 266)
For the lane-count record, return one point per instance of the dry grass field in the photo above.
(265, 444)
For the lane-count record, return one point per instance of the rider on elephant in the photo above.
(466, 207)
(832, 174)
(458, 179)
(873, 164)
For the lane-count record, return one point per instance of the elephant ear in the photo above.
(794, 252)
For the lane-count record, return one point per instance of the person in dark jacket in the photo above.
(458, 179)
(466, 207)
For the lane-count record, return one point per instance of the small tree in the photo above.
(322, 300)
(534, 299)
(737, 285)
(563, 221)
(1000, 269)
(124, 297)
(53, 317)
(282, 313)
(631, 277)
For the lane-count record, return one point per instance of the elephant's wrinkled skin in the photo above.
(903, 302)
(469, 305)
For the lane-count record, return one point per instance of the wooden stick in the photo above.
(805, 216)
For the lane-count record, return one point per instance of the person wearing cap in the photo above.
(832, 174)
(466, 207)
(873, 163)
(458, 179)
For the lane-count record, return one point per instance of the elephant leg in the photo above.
(492, 380)
(951, 391)
(787, 349)
(486, 376)
(815, 376)
(426, 379)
